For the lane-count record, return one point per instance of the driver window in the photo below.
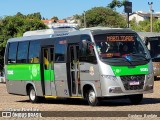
(87, 50)
(86, 47)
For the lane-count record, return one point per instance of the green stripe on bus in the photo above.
(27, 72)
(125, 70)
(23, 72)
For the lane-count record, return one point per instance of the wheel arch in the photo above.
(28, 85)
(87, 87)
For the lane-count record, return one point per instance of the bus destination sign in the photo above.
(120, 38)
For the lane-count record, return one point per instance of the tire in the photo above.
(155, 78)
(136, 99)
(91, 98)
(32, 95)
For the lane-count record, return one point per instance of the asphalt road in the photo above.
(151, 102)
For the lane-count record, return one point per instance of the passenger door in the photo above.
(74, 72)
(48, 70)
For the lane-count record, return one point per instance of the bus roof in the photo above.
(52, 33)
(111, 30)
(148, 34)
(49, 31)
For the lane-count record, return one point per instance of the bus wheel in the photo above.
(136, 99)
(91, 98)
(155, 78)
(32, 95)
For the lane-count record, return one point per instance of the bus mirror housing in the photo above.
(86, 42)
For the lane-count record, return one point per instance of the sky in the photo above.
(66, 8)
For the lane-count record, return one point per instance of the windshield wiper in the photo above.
(139, 55)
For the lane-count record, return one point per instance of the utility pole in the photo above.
(151, 22)
(85, 20)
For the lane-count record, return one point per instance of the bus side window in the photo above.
(22, 52)
(60, 52)
(34, 49)
(12, 52)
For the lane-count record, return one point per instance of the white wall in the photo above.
(136, 17)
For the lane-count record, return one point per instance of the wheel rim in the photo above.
(32, 95)
(92, 96)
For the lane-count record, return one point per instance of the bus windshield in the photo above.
(154, 48)
(111, 46)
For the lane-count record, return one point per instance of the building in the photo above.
(141, 16)
(70, 21)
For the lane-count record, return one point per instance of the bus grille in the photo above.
(127, 80)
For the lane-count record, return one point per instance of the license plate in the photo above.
(134, 83)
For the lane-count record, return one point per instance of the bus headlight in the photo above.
(149, 76)
(109, 77)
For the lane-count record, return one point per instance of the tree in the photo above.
(35, 16)
(143, 26)
(116, 3)
(156, 26)
(15, 26)
(102, 16)
(54, 18)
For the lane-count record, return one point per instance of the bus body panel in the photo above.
(23, 74)
(89, 75)
(61, 80)
(109, 80)
(21, 89)
(16, 87)
(89, 71)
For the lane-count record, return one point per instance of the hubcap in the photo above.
(32, 95)
(92, 96)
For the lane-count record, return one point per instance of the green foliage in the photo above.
(116, 3)
(15, 26)
(144, 26)
(54, 18)
(102, 16)
(34, 16)
(156, 26)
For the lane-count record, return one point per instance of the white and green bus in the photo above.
(93, 63)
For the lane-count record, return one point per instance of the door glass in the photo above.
(46, 59)
(72, 58)
(78, 69)
(52, 57)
